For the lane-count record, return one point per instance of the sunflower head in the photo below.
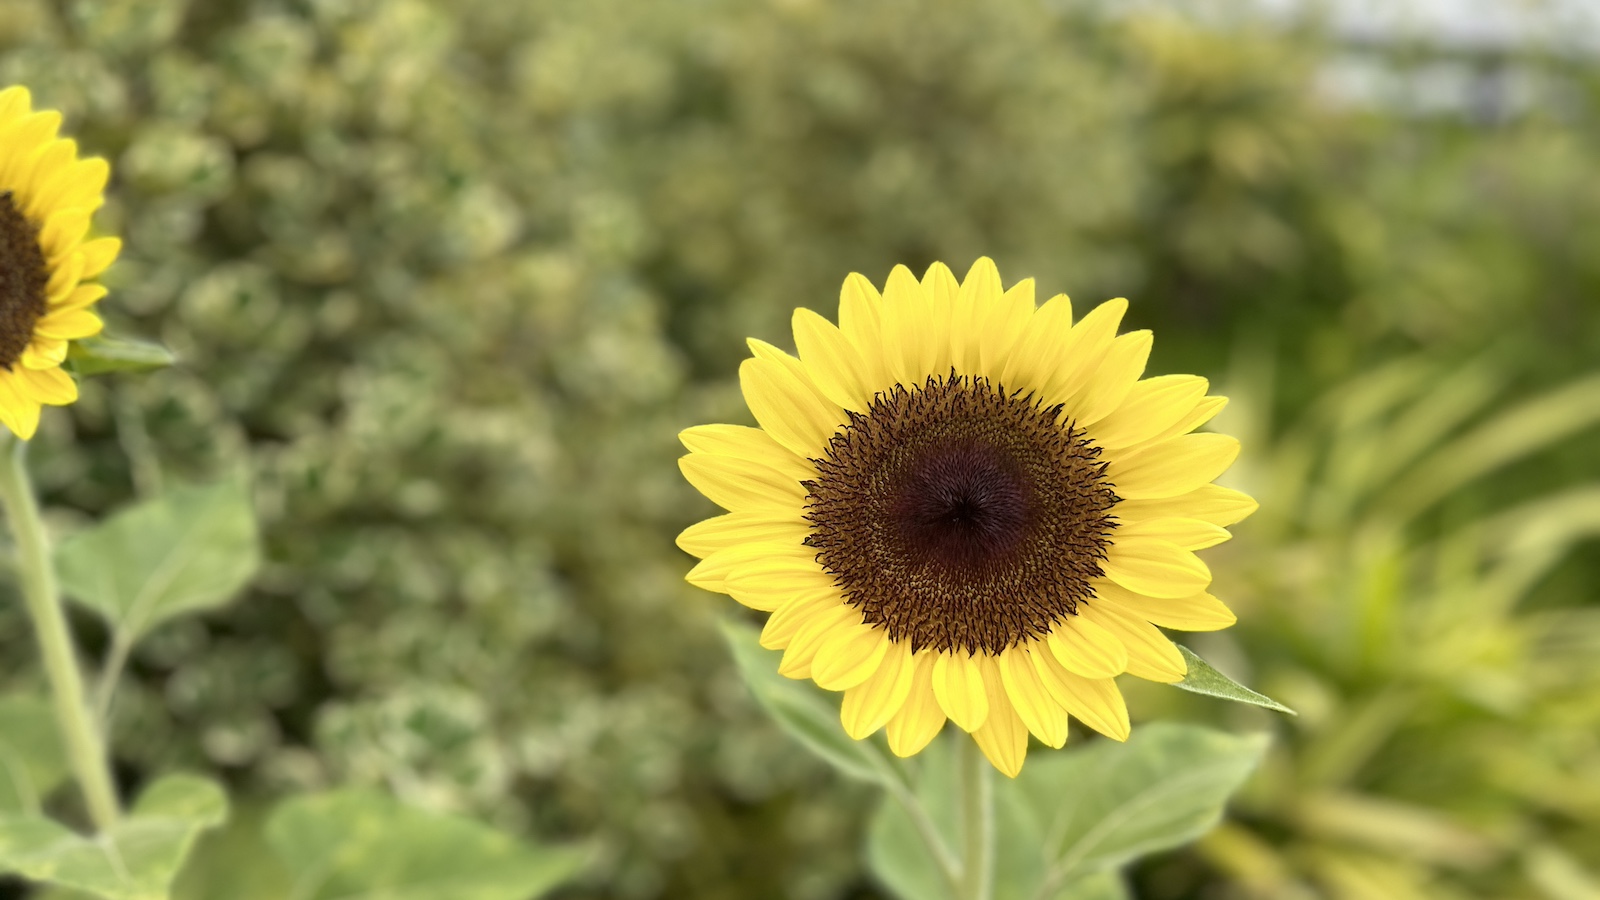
(47, 261)
(962, 507)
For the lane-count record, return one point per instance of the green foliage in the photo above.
(1074, 816)
(365, 846)
(105, 353)
(1202, 678)
(31, 759)
(189, 550)
(138, 859)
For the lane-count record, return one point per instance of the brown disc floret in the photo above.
(957, 515)
(24, 277)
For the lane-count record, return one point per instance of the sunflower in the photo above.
(47, 195)
(959, 506)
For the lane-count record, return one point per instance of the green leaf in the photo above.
(1203, 679)
(190, 549)
(1073, 817)
(1110, 803)
(108, 353)
(361, 845)
(136, 860)
(805, 711)
(32, 763)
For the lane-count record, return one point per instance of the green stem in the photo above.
(85, 750)
(977, 822)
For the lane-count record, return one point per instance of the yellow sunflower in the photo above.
(959, 506)
(47, 196)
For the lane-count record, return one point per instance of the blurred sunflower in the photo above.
(960, 506)
(47, 196)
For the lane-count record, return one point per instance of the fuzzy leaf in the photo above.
(106, 353)
(1203, 679)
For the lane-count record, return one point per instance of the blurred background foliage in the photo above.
(449, 276)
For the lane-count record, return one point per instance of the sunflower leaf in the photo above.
(105, 353)
(1203, 679)
(357, 844)
(806, 712)
(31, 761)
(191, 549)
(136, 860)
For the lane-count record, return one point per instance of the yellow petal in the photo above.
(1198, 612)
(797, 657)
(765, 584)
(721, 532)
(861, 320)
(1040, 713)
(15, 103)
(99, 254)
(68, 324)
(20, 413)
(744, 442)
(1001, 324)
(1095, 702)
(1150, 655)
(907, 334)
(65, 275)
(849, 656)
(832, 361)
(1203, 412)
(740, 485)
(871, 704)
(1154, 567)
(787, 620)
(1172, 467)
(1086, 648)
(958, 686)
(974, 296)
(82, 296)
(790, 410)
(51, 386)
(1085, 348)
(63, 230)
(712, 573)
(1039, 351)
(1151, 407)
(27, 138)
(1209, 503)
(1121, 367)
(79, 183)
(1190, 534)
(1003, 738)
(920, 720)
(940, 287)
(43, 353)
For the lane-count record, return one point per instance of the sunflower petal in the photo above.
(68, 324)
(722, 532)
(1031, 363)
(1095, 702)
(832, 361)
(744, 442)
(861, 320)
(1086, 648)
(849, 656)
(740, 485)
(1190, 534)
(63, 230)
(1151, 407)
(1002, 321)
(1039, 711)
(1209, 503)
(765, 584)
(1119, 370)
(809, 638)
(907, 334)
(1150, 655)
(1155, 568)
(871, 704)
(1198, 612)
(84, 295)
(43, 353)
(1003, 737)
(788, 409)
(921, 719)
(958, 686)
(1085, 347)
(1172, 467)
(99, 254)
(939, 287)
(50, 386)
(787, 620)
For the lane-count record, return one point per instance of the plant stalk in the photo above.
(977, 822)
(86, 750)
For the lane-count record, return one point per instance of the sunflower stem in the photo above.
(977, 822)
(86, 751)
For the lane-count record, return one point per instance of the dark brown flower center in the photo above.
(24, 274)
(956, 515)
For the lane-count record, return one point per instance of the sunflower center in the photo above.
(956, 515)
(24, 275)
